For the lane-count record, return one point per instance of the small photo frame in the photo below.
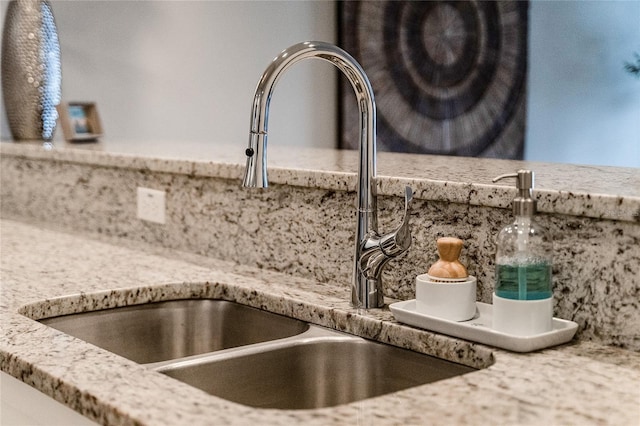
(80, 121)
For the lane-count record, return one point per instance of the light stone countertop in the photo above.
(45, 272)
(593, 191)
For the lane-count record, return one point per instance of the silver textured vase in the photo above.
(31, 72)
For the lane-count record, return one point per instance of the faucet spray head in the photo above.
(255, 174)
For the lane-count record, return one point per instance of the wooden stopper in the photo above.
(448, 266)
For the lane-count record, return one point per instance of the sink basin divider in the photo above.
(313, 334)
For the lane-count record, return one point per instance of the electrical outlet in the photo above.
(151, 205)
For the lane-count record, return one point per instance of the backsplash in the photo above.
(309, 231)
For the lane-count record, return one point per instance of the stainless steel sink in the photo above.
(313, 372)
(163, 331)
(254, 357)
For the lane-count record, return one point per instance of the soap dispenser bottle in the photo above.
(523, 297)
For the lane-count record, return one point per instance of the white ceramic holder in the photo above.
(522, 317)
(480, 328)
(453, 300)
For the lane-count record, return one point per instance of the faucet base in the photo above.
(367, 293)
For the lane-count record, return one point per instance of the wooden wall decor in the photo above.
(449, 76)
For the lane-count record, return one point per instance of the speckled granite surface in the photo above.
(47, 272)
(303, 224)
(591, 191)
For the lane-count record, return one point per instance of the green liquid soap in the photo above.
(524, 282)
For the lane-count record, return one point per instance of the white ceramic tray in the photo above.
(478, 329)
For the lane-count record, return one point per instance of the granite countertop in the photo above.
(45, 272)
(592, 191)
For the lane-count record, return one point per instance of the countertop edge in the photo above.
(566, 202)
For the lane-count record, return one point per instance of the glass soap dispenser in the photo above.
(523, 297)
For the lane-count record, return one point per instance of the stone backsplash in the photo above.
(309, 232)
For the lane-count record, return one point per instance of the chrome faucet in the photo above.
(372, 250)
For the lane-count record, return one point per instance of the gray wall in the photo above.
(186, 70)
(583, 107)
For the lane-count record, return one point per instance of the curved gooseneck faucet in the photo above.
(372, 250)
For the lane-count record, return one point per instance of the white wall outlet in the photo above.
(151, 205)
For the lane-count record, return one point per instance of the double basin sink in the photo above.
(254, 357)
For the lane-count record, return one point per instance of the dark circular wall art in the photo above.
(449, 76)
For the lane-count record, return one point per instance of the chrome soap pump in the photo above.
(523, 297)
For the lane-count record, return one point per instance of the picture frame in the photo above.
(80, 121)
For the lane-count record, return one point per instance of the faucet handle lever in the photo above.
(408, 196)
(399, 241)
(377, 250)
